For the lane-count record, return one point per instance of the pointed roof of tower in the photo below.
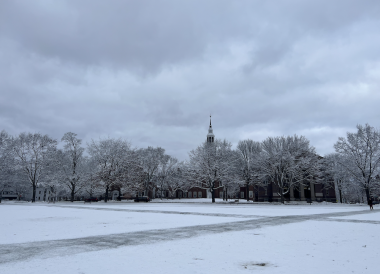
(210, 131)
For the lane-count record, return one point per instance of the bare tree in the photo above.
(288, 161)
(33, 154)
(6, 160)
(5, 150)
(72, 164)
(177, 179)
(165, 173)
(341, 179)
(150, 160)
(362, 152)
(210, 163)
(115, 163)
(248, 152)
(92, 186)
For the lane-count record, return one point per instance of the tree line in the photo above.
(30, 160)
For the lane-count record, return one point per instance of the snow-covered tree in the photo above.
(362, 153)
(33, 154)
(18, 182)
(115, 162)
(248, 153)
(150, 159)
(341, 179)
(92, 186)
(5, 151)
(164, 178)
(211, 163)
(287, 162)
(71, 166)
(178, 180)
(6, 160)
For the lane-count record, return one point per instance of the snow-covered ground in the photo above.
(188, 238)
(42, 223)
(205, 206)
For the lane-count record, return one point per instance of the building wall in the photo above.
(8, 194)
(42, 194)
(315, 192)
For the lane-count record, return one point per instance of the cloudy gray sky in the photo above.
(152, 71)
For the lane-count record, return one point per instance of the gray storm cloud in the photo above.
(153, 71)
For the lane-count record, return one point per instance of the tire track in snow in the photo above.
(46, 249)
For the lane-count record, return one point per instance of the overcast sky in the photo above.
(152, 71)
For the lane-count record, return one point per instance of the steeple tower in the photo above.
(210, 135)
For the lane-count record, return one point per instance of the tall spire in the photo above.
(210, 135)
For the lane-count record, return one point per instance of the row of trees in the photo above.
(32, 159)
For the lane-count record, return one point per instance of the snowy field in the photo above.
(188, 238)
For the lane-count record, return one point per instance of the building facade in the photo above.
(306, 191)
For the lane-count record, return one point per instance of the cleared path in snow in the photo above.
(45, 249)
(163, 212)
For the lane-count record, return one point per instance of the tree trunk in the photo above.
(282, 194)
(213, 195)
(146, 189)
(226, 194)
(106, 196)
(367, 193)
(337, 191)
(72, 193)
(34, 193)
(247, 190)
(119, 198)
(340, 196)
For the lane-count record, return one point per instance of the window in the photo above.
(266, 191)
(194, 194)
(184, 194)
(189, 194)
(242, 195)
(199, 194)
(40, 192)
(250, 194)
(221, 194)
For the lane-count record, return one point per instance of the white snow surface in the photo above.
(258, 209)
(42, 223)
(311, 246)
(363, 217)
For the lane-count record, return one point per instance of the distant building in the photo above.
(301, 192)
(42, 194)
(9, 194)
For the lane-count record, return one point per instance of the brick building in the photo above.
(300, 192)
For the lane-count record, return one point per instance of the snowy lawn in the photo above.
(175, 243)
(309, 247)
(256, 209)
(363, 217)
(27, 223)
